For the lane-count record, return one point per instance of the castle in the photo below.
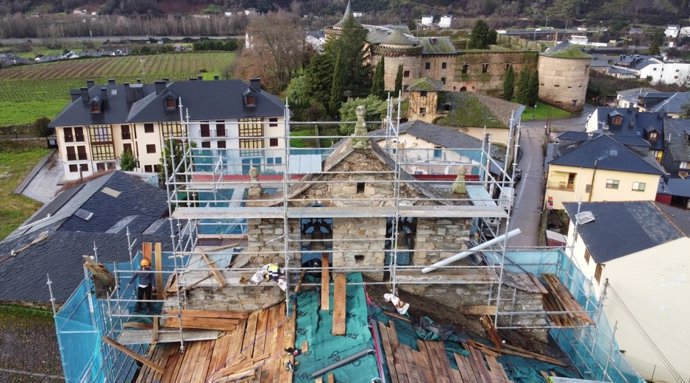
(475, 70)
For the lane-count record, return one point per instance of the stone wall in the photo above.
(264, 237)
(563, 82)
(497, 63)
(417, 101)
(409, 63)
(359, 242)
(234, 298)
(438, 239)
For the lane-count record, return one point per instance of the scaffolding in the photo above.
(219, 198)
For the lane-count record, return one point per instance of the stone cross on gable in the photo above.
(360, 140)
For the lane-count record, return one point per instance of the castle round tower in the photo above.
(399, 49)
(563, 76)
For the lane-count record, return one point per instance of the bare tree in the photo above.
(275, 49)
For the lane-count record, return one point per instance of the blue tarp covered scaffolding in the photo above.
(84, 319)
(592, 350)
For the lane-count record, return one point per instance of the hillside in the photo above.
(658, 12)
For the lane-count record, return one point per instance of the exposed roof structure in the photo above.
(623, 228)
(565, 50)
(604, 152)
(205, 100)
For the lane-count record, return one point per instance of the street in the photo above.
(529, 201)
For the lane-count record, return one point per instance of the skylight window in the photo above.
(584, 217)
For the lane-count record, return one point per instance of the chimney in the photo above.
(104, 93)
(160, 86)
(216, 77)
(85, 94)
(111, 81)
(255, 83)
(89, 84)
(74, 94)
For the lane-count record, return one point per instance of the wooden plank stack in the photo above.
(253, 352)
(431, 364)
(559, 298)
(203, 319)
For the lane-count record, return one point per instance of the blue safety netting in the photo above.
(84, 319)
(592, 350)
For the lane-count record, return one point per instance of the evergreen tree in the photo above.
(377, 83)
(336, 97)
(350, 45)
(319, 77)
(509, 84)
(533, 88)
(481, 36)
(127, 161)
(522, 95)
(398, 80)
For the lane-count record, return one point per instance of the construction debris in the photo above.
(559, 299)
(399, 305)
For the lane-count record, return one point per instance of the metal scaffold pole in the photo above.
(286, 223)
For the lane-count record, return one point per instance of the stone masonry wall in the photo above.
(234, 298)
(358, 242)
(264, 238)
(563, 81)
(439, 239)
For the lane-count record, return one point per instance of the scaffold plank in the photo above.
(325, 283)
(131, 337)
(339, 303)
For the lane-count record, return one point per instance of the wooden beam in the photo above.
(299, 282)
(160, 291)
(325, 283)
(479, 310)
(214, 270)
(133, 354)
(146, 250)
(154, 336)
(331, 378)
(339, 304)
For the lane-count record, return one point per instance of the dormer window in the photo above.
(653, 136)
(170, 103)
(250, 100)
(617, 121)
(95, 107)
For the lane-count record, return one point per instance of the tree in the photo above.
(655, 43)
(376, 111)
(522, 95)
(277, 49)
(350, 45)
(127, 161)
(319, 77)
(398, 80)
(337, 86)
(481, 36)
(41, 127)
(509, 84)
(377, 83)
(533, 88)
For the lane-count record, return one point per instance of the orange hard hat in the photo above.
(145, 262)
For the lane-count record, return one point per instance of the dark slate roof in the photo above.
(623, 228)
(609, 154)
(635, 124)
(206, 100)
(437, 135)
(678, 187)
(23, 277)
(54, 205)
(397, 37)
(665, 101)
(115, 107)
(377, 34)
(677, 135)
(141, 202)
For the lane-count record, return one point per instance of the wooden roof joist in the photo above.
(464, 211)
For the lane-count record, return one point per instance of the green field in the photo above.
(14, 166)
(42, 90)
(544, 112)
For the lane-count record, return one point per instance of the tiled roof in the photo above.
(399, 38)
(605, 152)
(437, 45)
(205, 100)
(23, 276)
(425, 84)
(623, 228)
(634, 123)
